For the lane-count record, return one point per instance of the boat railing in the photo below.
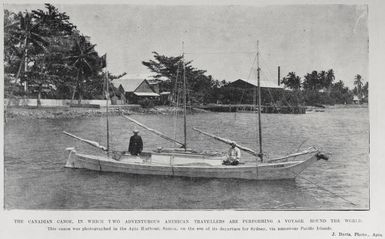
(309, 150)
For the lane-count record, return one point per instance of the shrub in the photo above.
(146, 103)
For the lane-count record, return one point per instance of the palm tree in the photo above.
(322, 79)
(12, 52)
(29, 36)
(311, 81)
(365, 90)
(41, 76)
(358, 83)
(329, 78)
(84, 58)
(57, 22)
(292, 81)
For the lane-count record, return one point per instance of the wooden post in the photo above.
(279, 75)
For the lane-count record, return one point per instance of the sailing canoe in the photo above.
(193, 165)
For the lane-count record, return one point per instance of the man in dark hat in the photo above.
(136, 144)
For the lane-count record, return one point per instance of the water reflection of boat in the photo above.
(187, 163)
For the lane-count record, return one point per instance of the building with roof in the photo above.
(247, 84)
(133, 90)
(356, 99)
(154, 83)
(243, 91)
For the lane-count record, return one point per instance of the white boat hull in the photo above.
(189, 165)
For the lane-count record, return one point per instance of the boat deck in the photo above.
(183, 160)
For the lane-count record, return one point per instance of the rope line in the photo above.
(248, 79)
(176, 100)
(323, 188)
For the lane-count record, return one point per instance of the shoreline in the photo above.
(24, 113)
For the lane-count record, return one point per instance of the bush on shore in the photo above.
(146, 103)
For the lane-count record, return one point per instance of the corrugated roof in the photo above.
(146, 94)
(141, 75)
(129, 85)
(264, 84)
(153, 81)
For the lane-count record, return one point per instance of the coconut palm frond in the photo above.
(87, 65)
(90, 49)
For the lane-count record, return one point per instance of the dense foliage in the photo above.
(44, 53)
(319, 88)
(361, 90)
(173, 69)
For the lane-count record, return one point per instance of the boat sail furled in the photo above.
(187, 163)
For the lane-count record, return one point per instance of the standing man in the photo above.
(233, 155)
(136, 144)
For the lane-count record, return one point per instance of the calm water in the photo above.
(35, 177)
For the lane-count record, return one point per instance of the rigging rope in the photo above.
(268, 89)
(251, 68)
(284, 98)
(248, 77)
(327, 190)
(269, 75)
(323, 188)
(176, 90)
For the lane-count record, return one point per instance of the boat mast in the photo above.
(259, 105)
(107, 99)
(184, 100)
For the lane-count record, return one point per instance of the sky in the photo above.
(223, 39)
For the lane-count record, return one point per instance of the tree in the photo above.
(328, 81)
(114, 77)
(12, 53)
(322, 80)
(319, 80)
(365, 91)
(40, 76)
(47, 34)
(198, 84)
(11, 88)
(340, 93)
(56, 55)
(292, 81)
(358, 84)
(312, 81)
(28, 34)
(50, 69)
(84, 58)
(57, 23)
(164, 66)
